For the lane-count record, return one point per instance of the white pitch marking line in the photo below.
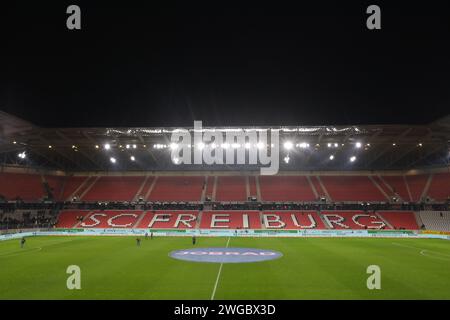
(218, 275)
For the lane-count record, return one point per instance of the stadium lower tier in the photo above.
(166, 219)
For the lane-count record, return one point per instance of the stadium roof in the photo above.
(375, 147)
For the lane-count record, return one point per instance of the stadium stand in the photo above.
(438, 221)
(416, 185)
(400, 219)
(71, 218)
(188, 188)
(286, 188)
(292, 220)
(231, 188)
(111, 219)
(440, 187)
(27, 187)
(119, 188)
(353, 220)
(398, 186)
(352, 188)
(165, 219)
(230, 220)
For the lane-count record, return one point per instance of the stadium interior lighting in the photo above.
(213, 145)
(288, 145)
(49, 146)
(247, 145)
(235, 145)
(176, 160)
(336, 144)
(107, 146)
(260, 145)
(394, 144)
(331, 157)
(96, 146)
(420, 144)
(112, 159)
(174, 146)
(127, 146)
(14, 142)
(286, 159)
(74, 146)
(303, 145)
(352, 159)
(225, 145)
(22, 155)
(132, 158)
(134, 146)
(358, 145)
(329, 145)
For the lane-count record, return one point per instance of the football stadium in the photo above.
(353, 212)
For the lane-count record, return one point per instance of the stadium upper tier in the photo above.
(154, 187)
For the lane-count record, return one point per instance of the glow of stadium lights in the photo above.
(176, 160)
(200, 146)
(112, 159)
(174, 146)
(213, 145)
(336, 144)
(331, 157)
(260, 145)
(288, 145)
(358, 145)
(73, 147)
(107, 146)
(420, 144)
(49, 146)
(22, 155)
(329, 145)
(14, 142)
(352, 159)
(132, 158)
(286, 159)
(235, 145)
(394, 144)
(127, 146)
(96, 146)
(303, 145)
(247, 145)
(225, 145)
(134, 146)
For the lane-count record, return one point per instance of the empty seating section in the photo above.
(316, 184)
(230, 220)
(398, 186)
(416, 185)
(286, 188)
(166, 219)
(27, 187)
(145, 188)
(440, 187)
(252, 186)
(386, 189)
(231, 188)
(438, 221)
(69, 218)
(182, 188)
(114, 189)
(292, 220)
(293, 188)
(56, 184)
(352, 188)
(353, 220)
(400, 219)
(111, 219)
(71, 185)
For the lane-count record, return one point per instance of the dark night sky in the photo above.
(166, 64)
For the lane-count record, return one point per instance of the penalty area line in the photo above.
(218, 274)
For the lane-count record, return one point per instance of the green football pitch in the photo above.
(310, 268)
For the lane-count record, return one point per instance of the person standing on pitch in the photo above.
(194, 240)
(146, 235)
(138, 242)
(22, 242)
(151, 235)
